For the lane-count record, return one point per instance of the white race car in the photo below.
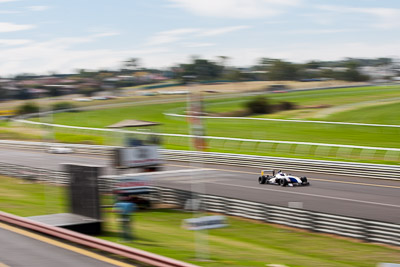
(282, 179)
(60, 150)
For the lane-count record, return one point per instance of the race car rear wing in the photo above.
(264, 172)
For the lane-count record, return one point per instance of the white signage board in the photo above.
(132, 184)
(138, 156)
(206, 222)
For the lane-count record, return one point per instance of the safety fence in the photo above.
(368, 230)
(366, 170)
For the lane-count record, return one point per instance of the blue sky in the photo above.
(61, 36)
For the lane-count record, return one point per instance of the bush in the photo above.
(259, 105)
(286, 105)
(27, 108)
(63, 105)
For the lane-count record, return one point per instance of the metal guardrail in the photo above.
(365, 170)
(33, 174)
(230, 144)
(95, 243)
(44, 146)
(221, 138)
(367, 230)
(371, 231)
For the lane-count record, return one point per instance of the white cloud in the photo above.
(236, 8)
(334, 51)
(170, 36)
(223, 30)
(13, 42)
(9, 12)
(38, 8)
(106, 34)
(387, 18)
(194, 45)
(11, 27)
(323, 31)
(60, 55)
(176, 35)
(303, 52)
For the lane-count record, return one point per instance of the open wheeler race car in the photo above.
(282, 179)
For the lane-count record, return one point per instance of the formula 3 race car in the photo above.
(282, 179)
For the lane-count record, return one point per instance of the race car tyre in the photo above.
(267, 179)
(278, 181)
(303, 179)
(261, 180)
(284, 182)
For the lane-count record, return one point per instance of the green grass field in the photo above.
(269, 130)
(25, 198)
(380, 114)
(332, 97)
(250, 129)
(243, 243)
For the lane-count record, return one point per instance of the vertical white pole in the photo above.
(201, 238)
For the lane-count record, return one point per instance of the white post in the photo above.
(201, 236)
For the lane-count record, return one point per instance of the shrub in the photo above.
(286, 105)
(27, 108)
(259, 105)
(63, 105)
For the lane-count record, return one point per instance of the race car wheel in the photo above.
(267, 179)
(261, 180)
(303, 179)
(284, 182)
(278, 181)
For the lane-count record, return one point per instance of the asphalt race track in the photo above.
(336, 194)
(29, 249)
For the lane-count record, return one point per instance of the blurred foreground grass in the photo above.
(243, 243)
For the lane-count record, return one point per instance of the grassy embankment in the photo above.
(243, 243)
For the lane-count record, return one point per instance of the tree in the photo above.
(352, 73)
(202, 69)
(88, 90)
(223, 60)
(266, 62)
(282, 71)
(132, 63)
(313, 64)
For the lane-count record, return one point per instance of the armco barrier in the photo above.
(371, 231)
(365, 170)
(95, 243)
(367, 230)
(252, 145)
